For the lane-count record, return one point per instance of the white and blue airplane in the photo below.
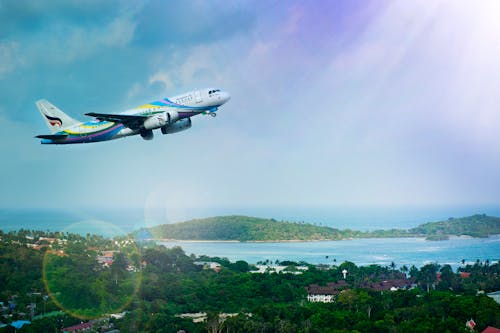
(170, 115)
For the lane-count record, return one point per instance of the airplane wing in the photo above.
(132, 121)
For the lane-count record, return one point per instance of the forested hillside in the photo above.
(244, 228)
(475, 226)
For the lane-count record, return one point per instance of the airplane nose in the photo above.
(225, 96)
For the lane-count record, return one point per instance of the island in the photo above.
(253, 229)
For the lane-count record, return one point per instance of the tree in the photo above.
(414, 272)
(427, 275)
(214, 322)
(348, 298)
(240, 266)
(404, 269)
(447, 277)
(365, 301)
(119, 267)
(393, 267)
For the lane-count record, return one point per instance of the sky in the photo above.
(333, 104)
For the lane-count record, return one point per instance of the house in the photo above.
(119, 315)
(201, 317)
(83, 327)
(209, 265)
(280, 269)
(495, 295)
(325, 294)
(392, 285)
(491, 329)
(106, 258)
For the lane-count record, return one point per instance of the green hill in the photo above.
(475, 226)
(244, 228)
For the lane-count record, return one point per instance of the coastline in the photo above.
(268, 241)
(422, 237)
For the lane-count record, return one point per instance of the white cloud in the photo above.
(10, 57)
(163, 78)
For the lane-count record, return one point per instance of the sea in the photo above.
(362, 252)
(383, 251)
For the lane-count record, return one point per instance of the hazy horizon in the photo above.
(126, 220)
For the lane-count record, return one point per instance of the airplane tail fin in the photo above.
(55, 119)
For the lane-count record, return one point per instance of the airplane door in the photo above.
(197, 96)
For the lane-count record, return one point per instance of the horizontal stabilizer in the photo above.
(52, 136)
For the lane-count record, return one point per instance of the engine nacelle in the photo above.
(147, 134)
(156, 121)
(178, 126)
(160, 120)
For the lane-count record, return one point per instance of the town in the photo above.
(62, 282)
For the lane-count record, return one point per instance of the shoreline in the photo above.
(423, 237)
(268, 241)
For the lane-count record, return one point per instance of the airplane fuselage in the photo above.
(171, 115)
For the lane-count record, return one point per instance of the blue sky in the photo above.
(334, 104)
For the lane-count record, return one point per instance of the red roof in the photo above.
(490, 329)
(75, 328)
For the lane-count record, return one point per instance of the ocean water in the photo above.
(381, 251)
(402, 251)
(127, 220)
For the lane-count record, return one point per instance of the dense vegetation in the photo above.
(244, 228)
(172, 284)
(474, 226)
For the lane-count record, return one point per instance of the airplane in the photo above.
(170, 115)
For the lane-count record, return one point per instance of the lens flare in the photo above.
(91, 276)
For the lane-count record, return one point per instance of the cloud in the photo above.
(62, 43)
(338, 103)
(9, 52)
(183, 23)
(27, 17)
(162, 78)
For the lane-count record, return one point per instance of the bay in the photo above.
(380, 251)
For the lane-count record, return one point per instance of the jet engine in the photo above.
(147, 134)
(178, 126)
(156, 121)
(160, 120)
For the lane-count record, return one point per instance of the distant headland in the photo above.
(253, 229)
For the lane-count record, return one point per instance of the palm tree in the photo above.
(393, 266)
(404, 269)
(427, 275)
